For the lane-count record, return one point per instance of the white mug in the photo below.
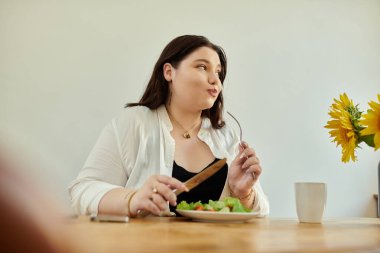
(310, 201)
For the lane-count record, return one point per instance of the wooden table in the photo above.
(258, 235)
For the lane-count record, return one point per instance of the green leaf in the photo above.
(184, 205)
(217, 205)
(368, 139)
(235, 205)
(228, 204)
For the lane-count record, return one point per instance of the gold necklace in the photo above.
(186, 134)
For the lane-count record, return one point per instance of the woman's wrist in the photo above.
(240, 194)
(243, 197)
(247, 199)
(128, 198)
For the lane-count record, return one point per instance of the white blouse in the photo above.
(137, 144)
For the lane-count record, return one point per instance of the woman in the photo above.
(174, 132)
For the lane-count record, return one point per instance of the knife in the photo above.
(202, 176)
(192, 183)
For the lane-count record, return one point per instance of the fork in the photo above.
(241, 140)
(241, 131)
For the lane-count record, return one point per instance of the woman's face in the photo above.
(195, 82)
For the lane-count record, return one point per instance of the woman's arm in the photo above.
(116, 201)
(103, 172)
(243, 180)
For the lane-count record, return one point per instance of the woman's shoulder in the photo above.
(134, 115)
(138, 111)
(226, 133)
(226, 128)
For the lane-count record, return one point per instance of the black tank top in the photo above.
(211, 188)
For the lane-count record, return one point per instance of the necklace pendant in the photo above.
(186, 135)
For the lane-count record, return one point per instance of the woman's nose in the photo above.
(213, 78)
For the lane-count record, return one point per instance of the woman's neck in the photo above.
(185, 119)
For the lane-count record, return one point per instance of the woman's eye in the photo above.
(202, 67)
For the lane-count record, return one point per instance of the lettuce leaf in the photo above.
(228, 204)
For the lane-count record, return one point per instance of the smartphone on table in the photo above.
(109, 218)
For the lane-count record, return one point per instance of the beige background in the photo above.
(68, 67)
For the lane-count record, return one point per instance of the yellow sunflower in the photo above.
(372, 120)
(345, 126)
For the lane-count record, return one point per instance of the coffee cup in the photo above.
(310, 201)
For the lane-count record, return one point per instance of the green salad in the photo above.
(227, 205)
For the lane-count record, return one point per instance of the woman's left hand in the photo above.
(244, 172)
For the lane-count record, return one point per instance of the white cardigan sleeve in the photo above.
(261, 204)
(102, 172)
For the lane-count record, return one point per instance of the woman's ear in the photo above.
(168, 72)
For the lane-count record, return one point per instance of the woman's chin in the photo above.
(208, 105)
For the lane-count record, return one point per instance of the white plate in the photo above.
(217, 216)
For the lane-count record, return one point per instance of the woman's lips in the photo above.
(213, 92)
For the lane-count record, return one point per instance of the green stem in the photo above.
(368, 139)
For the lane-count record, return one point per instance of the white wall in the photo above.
(68, 67)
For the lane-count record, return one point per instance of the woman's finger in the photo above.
(244, 145)
(172, 182)
(250, 161)
(159, 201)
(145, 201)
(254, 171)
(152, 207)
(166, 192)
(248, 152)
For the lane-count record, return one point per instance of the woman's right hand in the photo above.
(155, 195)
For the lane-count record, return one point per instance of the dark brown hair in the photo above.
(157, 90)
